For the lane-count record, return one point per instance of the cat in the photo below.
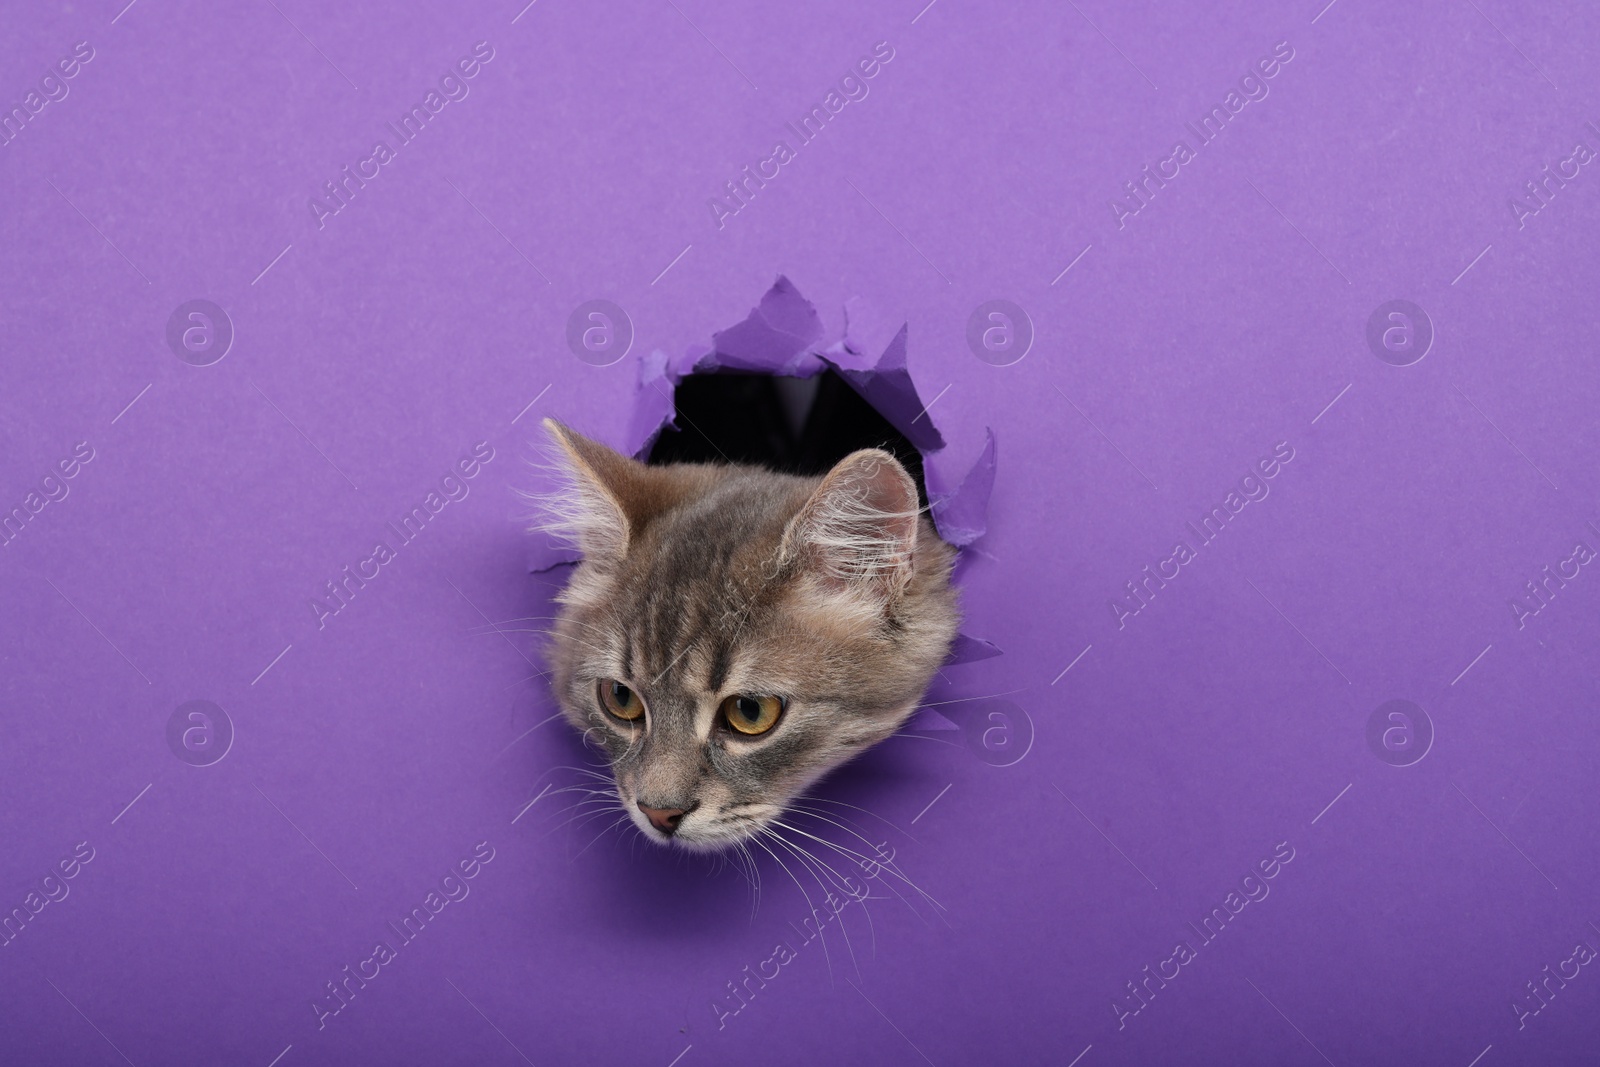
(732, 634)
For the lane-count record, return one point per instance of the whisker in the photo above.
(525, 733)
(824, 817)
(821, 934)
(591, 771)
(520, 681)
(855, 807)
(963, 700)
(872, 929)
(597, 771)
(621, 819)
(754, 877)
(878, 862)
(553, 618)
(524, 630)
(921, 737)
(887, 885)
(840, 881)
(862, 859)
(810, 861)
(580, 817)
(597, 794)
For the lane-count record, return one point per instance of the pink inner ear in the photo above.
(861, 523)
(888, 490)
(590, 508)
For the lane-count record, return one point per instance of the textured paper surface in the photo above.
(1288, 549)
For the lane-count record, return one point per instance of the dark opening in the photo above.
(794, 425)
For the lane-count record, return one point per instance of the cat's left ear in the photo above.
(592, 508)
(858, 530)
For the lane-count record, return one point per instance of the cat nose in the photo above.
(664, 819)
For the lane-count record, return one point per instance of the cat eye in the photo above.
(751, 715)
(619, 700)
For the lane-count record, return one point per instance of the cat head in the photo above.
(733, 634)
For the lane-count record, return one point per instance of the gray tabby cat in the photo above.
(733, 634)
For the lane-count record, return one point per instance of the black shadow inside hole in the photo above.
(793, 425)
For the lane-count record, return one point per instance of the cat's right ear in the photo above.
(590, 509)
(858, 531)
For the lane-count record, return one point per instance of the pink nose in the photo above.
(663, 819)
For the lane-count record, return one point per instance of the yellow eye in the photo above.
(619, 700)
(752, 714)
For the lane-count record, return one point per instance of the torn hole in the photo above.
(784, 423)
(783, 341)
